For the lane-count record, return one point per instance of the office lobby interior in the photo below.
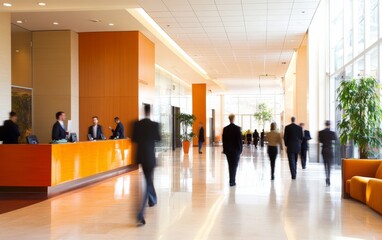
(208, 58)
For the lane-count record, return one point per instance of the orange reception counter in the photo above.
(54, 168)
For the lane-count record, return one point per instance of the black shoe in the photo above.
(141, 222)
(232, 184)
(200, 152)
(152, 204)
(272, 178)
(303, 167)
(293, 178)
(327, 182)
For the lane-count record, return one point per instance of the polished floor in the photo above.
(195, 202)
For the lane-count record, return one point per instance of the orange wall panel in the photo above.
(22, 164)
(199, 107)
(108, 63)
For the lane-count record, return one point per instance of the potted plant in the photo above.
(359, 100)
(263, 114)
(186, 121)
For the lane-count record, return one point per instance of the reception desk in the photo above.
(52, 168)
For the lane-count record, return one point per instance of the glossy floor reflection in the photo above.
(195, 202)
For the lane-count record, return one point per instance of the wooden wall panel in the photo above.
(51, 80)
(199, 107)
(146, 70)
(108, 63)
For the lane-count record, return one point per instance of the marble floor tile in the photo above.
(196, 203)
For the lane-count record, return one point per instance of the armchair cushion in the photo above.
(358, 188)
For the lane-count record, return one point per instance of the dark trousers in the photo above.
(272, 153)
(200, 145)
(292, 158)
(303, 157)
(255, 142)
(149, 193)
(327, 154)
(233, 162)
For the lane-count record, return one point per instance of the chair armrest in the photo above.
(358, 167)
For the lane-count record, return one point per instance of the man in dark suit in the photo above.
(326, 137)
(232, 148)
(95, 130)
(304, 145)
(200, 137)
(145, 134)
(11, 130)
(119, 131)
(293, 138)
(59, 130)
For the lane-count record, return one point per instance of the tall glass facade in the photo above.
(355, 42)
(169, 92)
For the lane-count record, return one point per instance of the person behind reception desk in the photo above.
(95, 131)
(11, 130)
(59, 130)
(119, 131)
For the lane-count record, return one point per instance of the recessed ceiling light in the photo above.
(42, 4)
(7, 4)
(55, 23)
(95, 20)
(111, 24)
(19, 21)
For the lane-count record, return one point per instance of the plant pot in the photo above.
(186, 146)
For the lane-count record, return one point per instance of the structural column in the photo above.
(199, 107)
(5, 66)
(55, 80)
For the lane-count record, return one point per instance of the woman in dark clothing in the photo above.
(255, 138)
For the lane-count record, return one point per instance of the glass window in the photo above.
(359, 68)
(372, 62)
(359, 25)
(372, 35)
(349, 32)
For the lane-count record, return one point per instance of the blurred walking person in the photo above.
(249, 138)
(326, 138)
(304, 145)
(232, 148)
(145, 134)
(262, 138)
(200, 137)
(256, 138)
(274, 140)
(292, 140)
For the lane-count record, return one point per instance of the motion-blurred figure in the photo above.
(326, 137)
(274, 140)
(232, 148)
(304, 145)
(145, 134)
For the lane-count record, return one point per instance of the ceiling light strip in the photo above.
(149, 23)
(172, 75)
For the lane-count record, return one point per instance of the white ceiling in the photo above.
(235, 41)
